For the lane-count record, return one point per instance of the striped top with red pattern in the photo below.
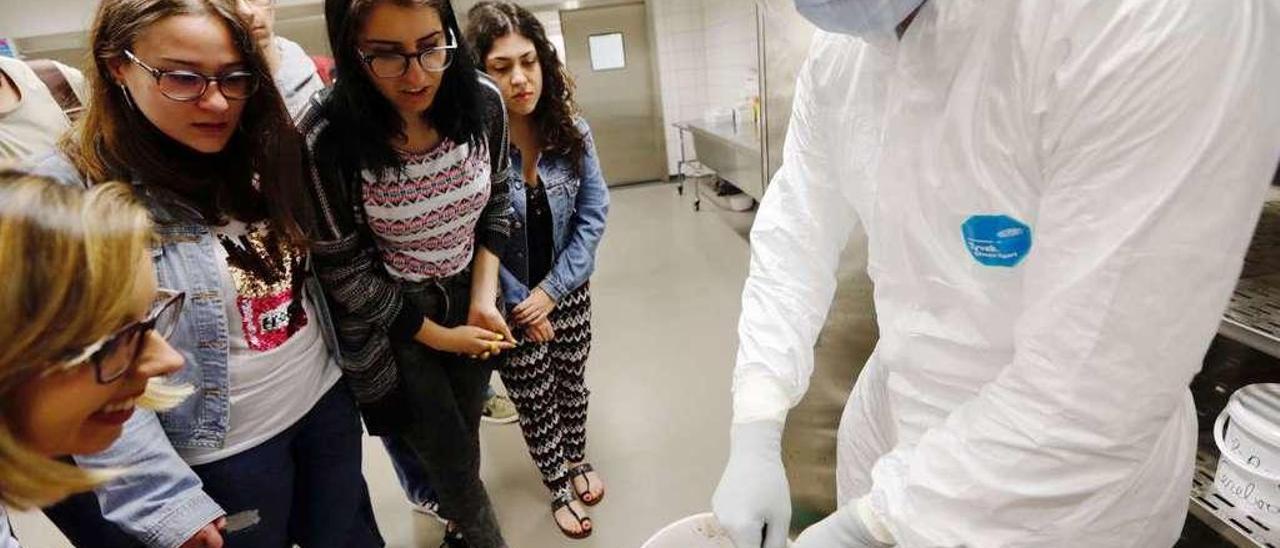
(425, 215)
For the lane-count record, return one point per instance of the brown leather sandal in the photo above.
(563, 501)
(581, 471)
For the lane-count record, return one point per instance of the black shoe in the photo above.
(454, 539)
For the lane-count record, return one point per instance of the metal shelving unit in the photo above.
(1251, 319)
(690, 169)
(1233, 523)
(1264, 250)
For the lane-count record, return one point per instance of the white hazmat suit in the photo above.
(1058, 197)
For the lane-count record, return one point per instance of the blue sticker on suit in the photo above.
(997, 240)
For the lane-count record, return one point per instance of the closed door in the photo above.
(607, 50)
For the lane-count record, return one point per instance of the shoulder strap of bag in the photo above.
(497, 128)
(58, 86)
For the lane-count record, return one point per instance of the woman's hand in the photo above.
(486, 315)
(209, 536)
(535, 309)
(467, 340)
(541, 332)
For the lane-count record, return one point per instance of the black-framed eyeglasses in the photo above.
(114, 355)
(392, 64)
(185, 86)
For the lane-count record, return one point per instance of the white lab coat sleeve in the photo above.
(800, 229)
(1157, 145)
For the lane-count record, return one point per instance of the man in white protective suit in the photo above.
(1058, 196)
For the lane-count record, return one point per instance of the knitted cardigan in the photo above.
(366, 304)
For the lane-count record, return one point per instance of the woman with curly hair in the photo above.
(561, 202)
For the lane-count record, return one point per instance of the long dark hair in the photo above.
(554, 117)
(259, 175)
(363, 123)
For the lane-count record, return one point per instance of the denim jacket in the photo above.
(7, 540)
(161, 501)
(579, 207)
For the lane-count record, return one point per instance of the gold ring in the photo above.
(493, 348)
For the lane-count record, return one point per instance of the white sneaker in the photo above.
(500, 410)
(430, 509)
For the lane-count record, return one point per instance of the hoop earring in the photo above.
(128, 99)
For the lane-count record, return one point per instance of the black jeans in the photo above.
(446, 396)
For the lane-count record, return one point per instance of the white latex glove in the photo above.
(753, 500)
(841, 529)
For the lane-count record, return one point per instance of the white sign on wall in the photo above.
(607, 52)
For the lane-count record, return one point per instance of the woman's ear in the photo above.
(116, 66)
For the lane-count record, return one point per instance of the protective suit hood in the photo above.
(856, 17)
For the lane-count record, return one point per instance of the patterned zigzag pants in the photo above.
(548, 385)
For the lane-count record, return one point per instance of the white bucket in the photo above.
(698, 531)
(1248, 437)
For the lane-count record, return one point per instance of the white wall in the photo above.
(23, 18)
(682, 67)
(708, 57)
(26, 18)
(732, 53)
(551, 24)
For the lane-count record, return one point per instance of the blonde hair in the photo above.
(69, 259)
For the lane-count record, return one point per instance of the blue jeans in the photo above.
(413, 479)
(304, 486)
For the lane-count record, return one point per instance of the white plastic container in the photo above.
(697, 531)
(1248, 437)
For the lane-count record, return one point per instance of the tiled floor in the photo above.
(667, 299)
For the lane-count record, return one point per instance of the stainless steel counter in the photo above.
(744, 136)
(734, 152)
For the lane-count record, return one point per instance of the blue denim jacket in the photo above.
(579, 207)
(7, 540)
(161, 501)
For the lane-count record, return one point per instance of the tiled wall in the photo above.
(731, 52)
(706, 55)
(682, 67)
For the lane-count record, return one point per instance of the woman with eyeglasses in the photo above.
(268, 452)
(86, 328)
(413, 208)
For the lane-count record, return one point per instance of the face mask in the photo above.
(856, 17)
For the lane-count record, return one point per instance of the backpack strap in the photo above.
(59, 87)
